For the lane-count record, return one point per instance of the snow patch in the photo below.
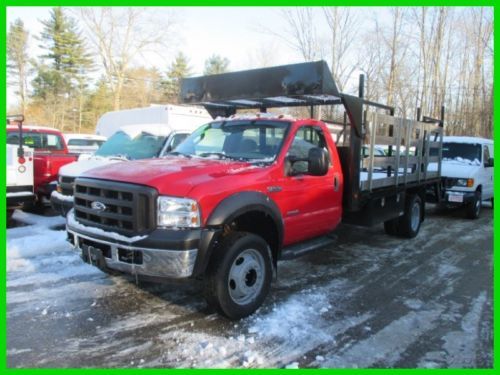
(118, 237)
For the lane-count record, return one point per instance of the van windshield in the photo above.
(254, 141)
(459, 151)
(141, 146)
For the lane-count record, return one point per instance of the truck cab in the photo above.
(467, 171)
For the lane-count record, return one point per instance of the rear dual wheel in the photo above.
(407, 225)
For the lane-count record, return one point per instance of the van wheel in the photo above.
(391, 227)
(239, 276)
(409, 223)
(473, 208)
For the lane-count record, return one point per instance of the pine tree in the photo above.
(66, 61)
(178, 69)
(216, 64)
(17, 54)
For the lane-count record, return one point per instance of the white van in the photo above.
(130, 141)
(467, 171)
(83, 143)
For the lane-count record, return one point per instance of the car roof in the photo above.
(34, 127)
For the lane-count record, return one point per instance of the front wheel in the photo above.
(473, 209)
(239, 276)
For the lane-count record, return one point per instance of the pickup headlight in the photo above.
(178, 212)
(465, 182)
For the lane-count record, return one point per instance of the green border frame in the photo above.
(3, 259)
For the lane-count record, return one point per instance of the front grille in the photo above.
(66, 184)
(129, 208)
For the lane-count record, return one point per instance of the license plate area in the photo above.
(456, 198)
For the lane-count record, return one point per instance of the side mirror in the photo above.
(489, 163)
(318, 162)
(169, 148)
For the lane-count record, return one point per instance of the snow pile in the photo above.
(461, 160)
(296, 320)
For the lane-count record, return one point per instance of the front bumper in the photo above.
(458, 198)
(19, 198)
(161, 254)
(61, 203)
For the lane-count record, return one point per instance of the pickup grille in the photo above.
(66, 184)
(129, 209)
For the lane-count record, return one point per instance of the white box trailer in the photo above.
(175, 117)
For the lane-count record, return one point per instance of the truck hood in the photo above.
(458, 169)
(172, 175)
(76, 168)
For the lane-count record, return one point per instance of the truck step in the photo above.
(297, 250)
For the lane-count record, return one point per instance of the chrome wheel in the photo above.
(246, 276)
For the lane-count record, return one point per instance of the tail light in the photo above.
(21, 160)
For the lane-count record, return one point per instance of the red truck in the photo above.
(50, 153)
(241, 193)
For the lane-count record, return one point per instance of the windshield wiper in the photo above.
(221, 155)
(180, 154)
(118, 157)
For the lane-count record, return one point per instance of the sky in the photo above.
(245, 35)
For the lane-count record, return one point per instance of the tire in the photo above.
(10, 212)
(473, 209)
(409, 223)
(239, 275)
(391, 227)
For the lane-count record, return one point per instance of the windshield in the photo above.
(255, 141)
(143, 146)
(36, 140)
(459, 151)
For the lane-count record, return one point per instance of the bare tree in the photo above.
(343, 23)
(121, 35)
(300, 33)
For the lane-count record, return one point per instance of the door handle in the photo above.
(336, 183)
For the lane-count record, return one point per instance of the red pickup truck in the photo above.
(50, 153)
(241, 193)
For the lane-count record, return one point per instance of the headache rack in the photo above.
(411, 148)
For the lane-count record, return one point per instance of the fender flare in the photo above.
(240, 203)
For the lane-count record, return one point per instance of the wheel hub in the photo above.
(246, 276)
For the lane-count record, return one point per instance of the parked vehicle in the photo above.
(243, 192)
(83, 143)
(175, 116)
(131, 142)
(50, 153)
(467, 170)
(19, 170)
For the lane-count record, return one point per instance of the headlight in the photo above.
(178, 212)
(465, 182)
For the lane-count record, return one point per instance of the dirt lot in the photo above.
(368, 301)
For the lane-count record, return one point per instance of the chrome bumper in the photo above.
(157, 263)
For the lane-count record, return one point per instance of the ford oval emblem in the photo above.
(98, 206)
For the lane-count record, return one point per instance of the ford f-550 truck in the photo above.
(243, 192)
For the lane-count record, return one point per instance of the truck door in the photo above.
(311, 205)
